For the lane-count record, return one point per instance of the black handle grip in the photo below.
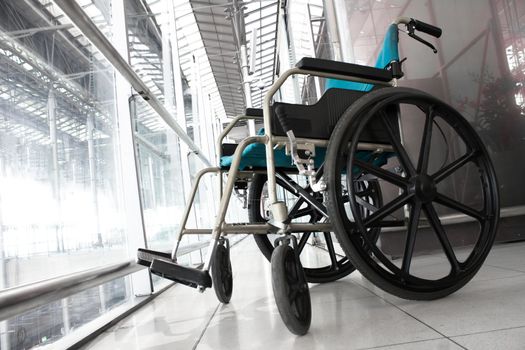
(427, 28)
(281, 115)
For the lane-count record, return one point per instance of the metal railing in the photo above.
(17, 300)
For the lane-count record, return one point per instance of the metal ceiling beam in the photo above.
(99, 40)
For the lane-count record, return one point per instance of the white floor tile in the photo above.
(175, 319)
(479, 307)
(435, 344)
(508, 256)
(353, 324)
(508, 339)
(348, 314)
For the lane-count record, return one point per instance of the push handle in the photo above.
(427, 28)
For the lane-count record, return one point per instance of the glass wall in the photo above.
(50, 323)
(60, 208)
(163, 48)
(64, 113)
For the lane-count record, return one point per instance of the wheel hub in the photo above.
(424, 187)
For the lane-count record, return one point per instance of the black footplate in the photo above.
(146, 256)
(186, 275)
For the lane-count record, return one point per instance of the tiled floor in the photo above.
(488, 313)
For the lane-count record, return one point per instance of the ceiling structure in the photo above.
(216, 22)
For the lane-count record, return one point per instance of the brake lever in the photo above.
(411, 33)
(423, 41)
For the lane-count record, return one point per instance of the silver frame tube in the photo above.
(225, 198)
(270, 163)
(189, 204)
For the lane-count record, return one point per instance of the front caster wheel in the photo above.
(290, 290)
(221, 272)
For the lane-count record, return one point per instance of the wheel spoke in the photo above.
(302, 212)
(382, 173)
(296, 206)
(302, 241)
(331, 250)
(433, 218)
(410, 242)
(365, 205)
(453, 204)
(424, 153)
(386, 210)
(402, 154)
(366, 192)
(445, 172)
(388, 223)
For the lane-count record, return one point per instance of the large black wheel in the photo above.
(440, 171)
(333, 264)
(221, 272)
(290, 290)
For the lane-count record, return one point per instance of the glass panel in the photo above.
(50, 323)
(60, 207)
(479, 68)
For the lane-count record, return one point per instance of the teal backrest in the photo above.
(389, 52)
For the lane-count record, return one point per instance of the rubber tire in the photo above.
(347, 121)
(221, 274)
(297, 319)
(265, 245)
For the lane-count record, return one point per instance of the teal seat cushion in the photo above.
(254, 156)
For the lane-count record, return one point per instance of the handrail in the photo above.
(17, 300)
(14, 301)
(86, 26)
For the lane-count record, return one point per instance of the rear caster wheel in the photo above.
(221, 272)
(290, 290)
(440, 169)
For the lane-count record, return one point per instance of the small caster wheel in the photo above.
(221, 272)
(290, 290)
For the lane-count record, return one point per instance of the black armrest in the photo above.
(342, 68)
(254, 112)
(228, 149)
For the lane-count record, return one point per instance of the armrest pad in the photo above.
(254, 112)
(342, 68)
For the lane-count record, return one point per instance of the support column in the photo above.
(179, 97)
(290, 46)
(90, 126)
(245, 70)
(134, 222)
(313, 52)
(336, 19)
(168, 72)
(51, 113)
(239, 31)
(4, 335)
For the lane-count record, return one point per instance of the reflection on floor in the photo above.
(488, 313)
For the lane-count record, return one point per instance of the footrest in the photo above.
(186, 275)
(146, 256)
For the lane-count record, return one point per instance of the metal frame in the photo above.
(270, 141)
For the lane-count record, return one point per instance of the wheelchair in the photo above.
(320, 175)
